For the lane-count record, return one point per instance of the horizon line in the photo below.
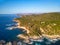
(32, 13)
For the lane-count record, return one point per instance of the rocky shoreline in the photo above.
(21, 27)
(34, 37)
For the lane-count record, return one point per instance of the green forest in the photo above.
(48, 22)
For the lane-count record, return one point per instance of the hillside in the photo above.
(38, 24)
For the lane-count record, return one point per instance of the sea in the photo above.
(6, 21)
(6, 34)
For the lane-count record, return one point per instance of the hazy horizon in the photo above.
(29, 6)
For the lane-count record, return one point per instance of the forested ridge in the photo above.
(35, 23)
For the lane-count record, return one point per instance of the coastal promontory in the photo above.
(37, 25)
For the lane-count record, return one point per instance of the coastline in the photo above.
(34, 37)
(21, 27)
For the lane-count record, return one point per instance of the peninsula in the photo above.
(38, 25)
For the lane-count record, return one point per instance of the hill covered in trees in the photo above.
(38, 24)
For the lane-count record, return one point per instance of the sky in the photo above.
(29, 6)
